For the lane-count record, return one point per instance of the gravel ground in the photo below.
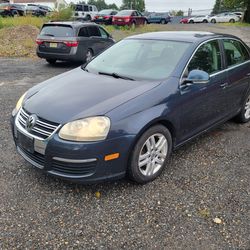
(206, 179)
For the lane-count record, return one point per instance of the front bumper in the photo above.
(76, 162)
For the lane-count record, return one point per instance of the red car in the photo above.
(184, 20)
(129, 18)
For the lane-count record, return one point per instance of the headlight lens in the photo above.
(88, 129)
(19, 104)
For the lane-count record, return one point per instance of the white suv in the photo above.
(224, 18)
(85, 11)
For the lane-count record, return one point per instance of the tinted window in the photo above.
(235, 52)
(57, 31)
(140, 59)
(90, 8)
(83, 32)
(78, 8)
(94, 31)
(207, 58)
(103, 33)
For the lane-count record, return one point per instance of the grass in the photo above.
(238, 24)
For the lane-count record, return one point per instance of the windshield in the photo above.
(140, 59)
(124, 13)
(57, 31)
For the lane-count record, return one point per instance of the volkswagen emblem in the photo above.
(31, 122)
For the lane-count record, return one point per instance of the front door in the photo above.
(202, 105)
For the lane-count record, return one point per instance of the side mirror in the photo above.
(197, 77)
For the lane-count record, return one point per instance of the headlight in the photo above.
(88, 129)
(18, 105)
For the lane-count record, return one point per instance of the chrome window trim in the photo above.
(74, 160)
(221, 71)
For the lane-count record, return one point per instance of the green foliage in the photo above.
(62, 15)
(1, 23)
(134, 4)
(177, 13)
(101, 4)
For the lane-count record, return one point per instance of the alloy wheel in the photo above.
(153, 154)
(247, 108)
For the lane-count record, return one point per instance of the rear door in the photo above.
(204, 104)
(55, 38)
(238, 68)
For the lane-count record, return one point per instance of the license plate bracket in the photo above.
(25, 142)
(53, 45)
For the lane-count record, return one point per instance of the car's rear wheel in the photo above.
(163, 21)
(133, 25)
(51, 61)
(150, 154)
(88, 17)
(89, 55)
(244, 115)
(205, 21)
(191, 21)
(231, 21)
(213, 21)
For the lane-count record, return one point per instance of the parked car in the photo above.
(105, 17)
(12, 10)
(129, 18)
(126, 110)
(184, 20)
(72, 41)
(35, 10)
(239, 14)
(162, 18)
(224, 18)
(198, 19)
(85, 11)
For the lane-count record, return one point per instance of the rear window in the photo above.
(125, 13)
(57, 31)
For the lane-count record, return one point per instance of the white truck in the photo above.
(85, 11)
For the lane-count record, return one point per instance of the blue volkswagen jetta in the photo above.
(126, 110)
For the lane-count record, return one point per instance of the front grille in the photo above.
(73, 169)
(42, 129)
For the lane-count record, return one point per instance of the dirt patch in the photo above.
(18, 41)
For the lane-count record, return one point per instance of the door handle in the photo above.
(224, 85)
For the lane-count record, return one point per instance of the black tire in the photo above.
(51, 61)
(205, 21)
(134, 171)
(213, 21)
(133, 25)
(231, 21)
(191, 21)
(163, 21)
(88, 18)
(242, 116)
(89, 55)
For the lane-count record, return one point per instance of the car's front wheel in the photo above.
(89, 55)
(244, 115)
(150, 154)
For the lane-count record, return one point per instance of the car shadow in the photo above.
(62, 64)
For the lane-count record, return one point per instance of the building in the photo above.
(54, 4)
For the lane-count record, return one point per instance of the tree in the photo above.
(134, 4)
(240, 4)
(177, 13)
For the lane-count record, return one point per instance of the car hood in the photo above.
(78, 94)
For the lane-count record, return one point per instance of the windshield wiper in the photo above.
(115, 75)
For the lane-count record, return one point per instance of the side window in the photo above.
(94, 31)
(114, 13)
(134, 13)
(235, 52)
(83, 32)
(86, 8)
(207, 58)
(90, 8)
(104, 34)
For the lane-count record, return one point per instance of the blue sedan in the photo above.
(125, 111)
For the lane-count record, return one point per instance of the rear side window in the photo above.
(83, 32)
(207, 58)
(57, 31)
(235, 52)
(104, 34)
(94, 31)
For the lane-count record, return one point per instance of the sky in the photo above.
(167, 5)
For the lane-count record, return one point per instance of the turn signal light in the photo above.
(112, 157)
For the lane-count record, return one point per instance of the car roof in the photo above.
(74, 24)
(183, 36)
